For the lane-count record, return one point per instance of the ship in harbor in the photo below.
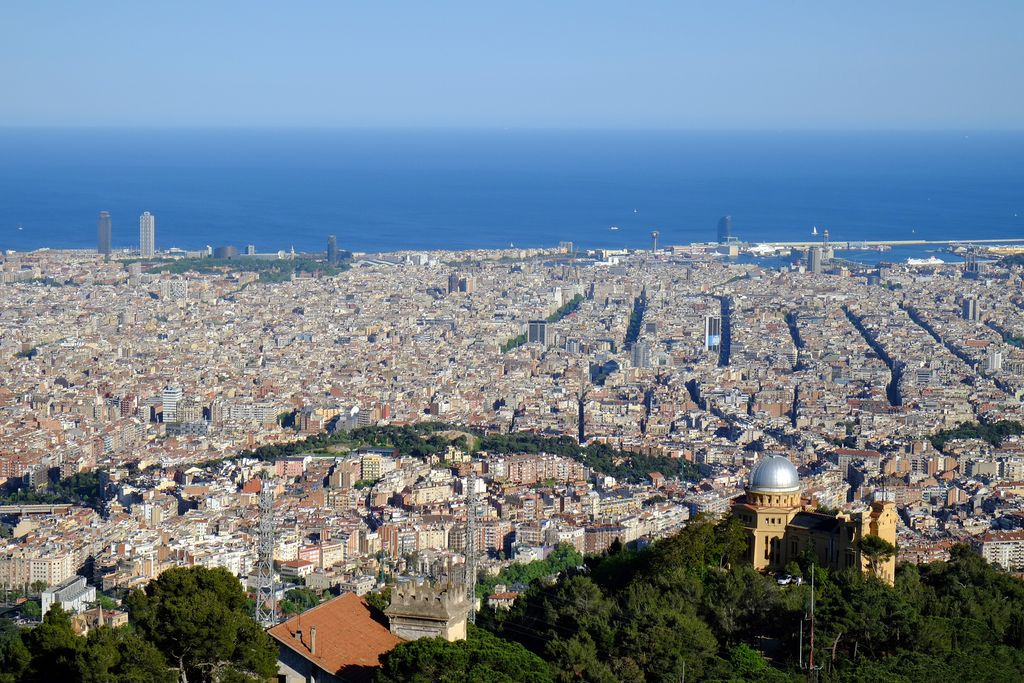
(930, 261)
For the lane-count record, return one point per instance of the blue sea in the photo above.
(381, 190)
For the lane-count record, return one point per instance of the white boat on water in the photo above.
(930, 261)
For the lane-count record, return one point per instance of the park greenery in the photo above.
(480, 658)
(690, 603)
(269, 270)
(299, 600)
(993, 433)
(433, 438)
(199, 619)
(83, 488)
(188, 625)
(565, 309)
(513, 342)
(563, 557)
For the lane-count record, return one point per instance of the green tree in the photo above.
(55, 648)
(481, 658)
(877, 550)
(106, 602)
(14, 656)
(121, 656)
(298, 600)
(31, 609)
(197, 618)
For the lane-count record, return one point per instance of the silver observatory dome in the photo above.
(774, 474)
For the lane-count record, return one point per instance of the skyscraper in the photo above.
(537, 332)
(170, 398)
(103, 234)
(641, 354)
(814, 258)
(147, 235)
(712, 332)
(970, 309)
(725, 229)
(332, 250)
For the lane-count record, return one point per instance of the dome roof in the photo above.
(774, 474)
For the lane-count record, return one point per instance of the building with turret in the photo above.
(423, 611)
(782, 529)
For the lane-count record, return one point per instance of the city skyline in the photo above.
(587, 341)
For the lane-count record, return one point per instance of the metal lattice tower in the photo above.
(471, 544)
(266, 595)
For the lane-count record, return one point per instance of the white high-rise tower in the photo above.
(147, 235)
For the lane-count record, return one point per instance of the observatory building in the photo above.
(781, 528)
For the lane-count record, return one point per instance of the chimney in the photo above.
(312, 640)
(298, 634)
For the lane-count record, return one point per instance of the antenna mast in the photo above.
(811, 660)
(266, 594)
(471, 543)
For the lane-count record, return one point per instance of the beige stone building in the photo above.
(781, 529)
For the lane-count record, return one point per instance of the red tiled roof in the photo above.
(347, 636)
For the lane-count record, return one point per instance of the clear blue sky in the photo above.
(550, 63)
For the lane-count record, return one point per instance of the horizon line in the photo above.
(508, 129)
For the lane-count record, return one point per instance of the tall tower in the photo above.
(266, 598)
(725, 229)
(654, 236)
(169, 399)
(969, 310)
(332, 250)
(712, 333)
(147, 235)
(471, 544)
(103, 234)
(537, 332)
(972, 269)
(814, 259)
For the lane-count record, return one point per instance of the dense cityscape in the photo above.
(446, 426)
(462, 342)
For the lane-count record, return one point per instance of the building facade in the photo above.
(73, 595)
(104, 234)
(781, 530)
(147, 235)
(537, 332)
